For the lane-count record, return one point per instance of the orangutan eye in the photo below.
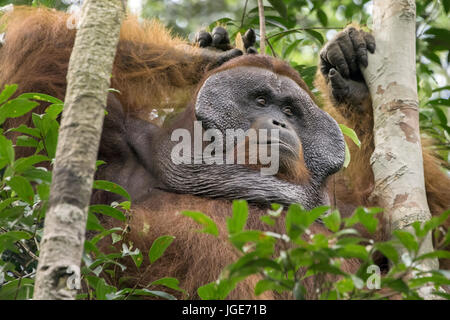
(288, 111)
(261, 101)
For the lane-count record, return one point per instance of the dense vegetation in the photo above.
(296, 31)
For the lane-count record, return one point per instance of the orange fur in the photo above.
(152, 69)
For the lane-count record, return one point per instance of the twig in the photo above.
(262, 28)
(304, 29)
(271, 48)
(137, 283)
(243, 14)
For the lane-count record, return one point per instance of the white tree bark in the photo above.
(88, 81)
(397, 160)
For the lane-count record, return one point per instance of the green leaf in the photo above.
(446, 4)
(158, 294)
(93, 223)
(333, 221)
(316, 35)
(436, 279)
(440, 254)
(433, 223)
(222, 21)
(267, 220)
(126, 205)
(158, 247)
(354, 251)
(279, 6)
(39, 175)
(102, 289)
(290, 48)
(111, 187)
(367, 218)
(438, 38)
(398, 285)
(6, 203)
(254, 266)
(23, 164)
(43, 191)
(171, 283)
(7, 92)
(388, 250)
(108, 210)
(407, 239)
(209, 225)
(40, 97)
(216, 290)
(16, 108)
(208, 291)
(440, 115)
(6, 152)
(23, 188)
(136, 256)
(15, 235)
(263, 240)
(322, 17)
(351, 134)
(26, 130)
(25, 141)
(51, 138)
(266, 285)
(348, 156)
(296, 221)
(345, 285)
(104, 233)
(18, 289)
(240, 213)
(325, 267)
(8, 239)
(440, 102)
(444, 87)
(54, 110)
(316, 213)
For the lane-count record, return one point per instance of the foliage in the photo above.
(58, 4)
(287, 261)
(296, 30)
(24, 194)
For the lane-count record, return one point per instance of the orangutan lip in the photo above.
(281, 144)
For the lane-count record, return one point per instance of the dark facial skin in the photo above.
(232, 99)
(258, 98)
(241, 98)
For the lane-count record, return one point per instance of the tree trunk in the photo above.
(397, 159)
(262, 28)
(88, 81)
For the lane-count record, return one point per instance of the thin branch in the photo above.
(271, 48)
(262, 27)
(243, 14)
(304, 29)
